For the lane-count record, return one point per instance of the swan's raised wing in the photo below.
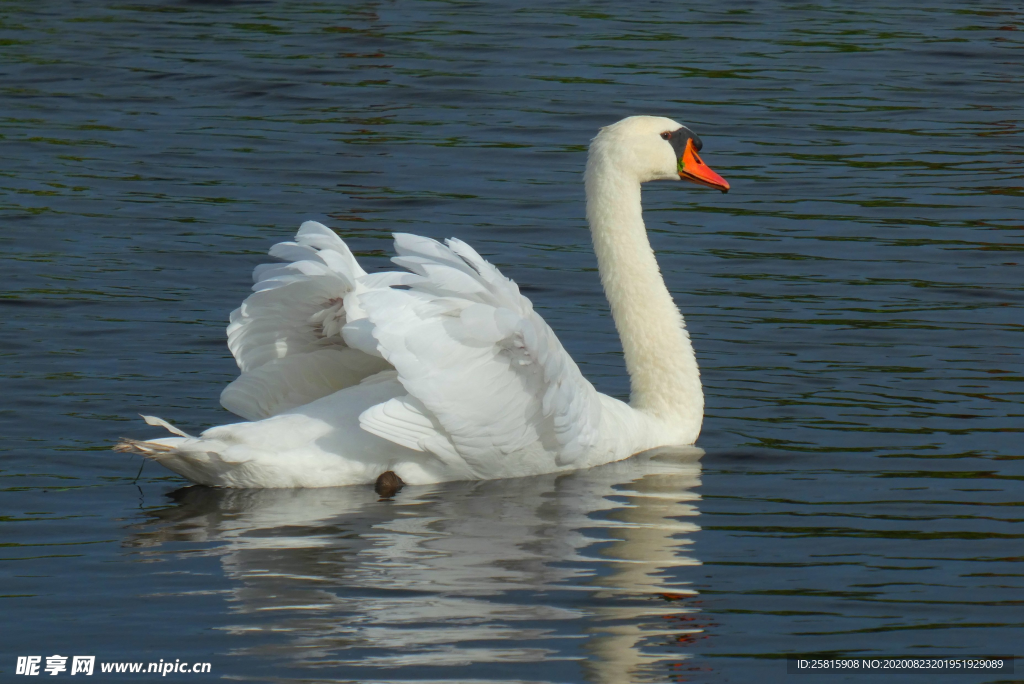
(288, 337)
(484, 372)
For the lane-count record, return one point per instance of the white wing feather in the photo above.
(289, 336)
(482, 368)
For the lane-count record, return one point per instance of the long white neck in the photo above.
(664, 378)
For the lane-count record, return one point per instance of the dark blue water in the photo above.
(856, 303)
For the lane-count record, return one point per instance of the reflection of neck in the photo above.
(650, 537)
(662, 367)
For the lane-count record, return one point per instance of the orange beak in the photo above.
(692, 169)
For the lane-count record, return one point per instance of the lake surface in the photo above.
(856, 301)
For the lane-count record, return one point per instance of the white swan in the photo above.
(453, 376)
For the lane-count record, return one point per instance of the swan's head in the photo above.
(654, 148)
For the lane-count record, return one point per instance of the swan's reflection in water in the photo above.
(579, 568)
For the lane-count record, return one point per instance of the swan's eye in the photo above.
(667, 135)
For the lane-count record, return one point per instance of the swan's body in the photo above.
(454, 376)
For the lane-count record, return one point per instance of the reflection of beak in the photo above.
(692, 169)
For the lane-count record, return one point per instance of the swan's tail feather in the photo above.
(155, 449)
(204, 461)
(149, 449)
